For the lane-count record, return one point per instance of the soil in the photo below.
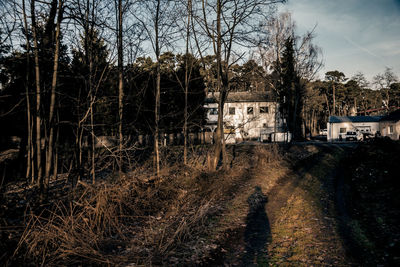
(296, 222)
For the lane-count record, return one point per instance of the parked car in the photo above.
(367, 136)
(323, 132)
(353, 136)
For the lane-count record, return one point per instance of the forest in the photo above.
(75, 71)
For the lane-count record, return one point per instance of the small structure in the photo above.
(247, 116)
(390, 125)
(338, 126)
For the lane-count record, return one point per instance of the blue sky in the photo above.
(355, 35)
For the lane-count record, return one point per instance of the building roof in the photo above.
(241, 97)
(338, 119)
(393, 116)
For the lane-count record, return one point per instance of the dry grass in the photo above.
(139, 218)
(86, 229)
(175, 219)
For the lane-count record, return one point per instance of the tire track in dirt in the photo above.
(285, 187)
(303, 222)
(277, 198)
(250, 245)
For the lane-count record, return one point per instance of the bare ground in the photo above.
(293, 223)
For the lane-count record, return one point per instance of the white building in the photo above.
(390, 125)
(247, 116)
(339, 125)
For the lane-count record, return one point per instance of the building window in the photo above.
(231, 111)
(265, 125)
(263, 109)
(213, 111)
(390, 129)
(342, 130)
(250, 110)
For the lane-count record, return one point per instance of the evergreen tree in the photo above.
(291, 90)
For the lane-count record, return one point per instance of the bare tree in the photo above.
(89, 20)
(158, 19)
(51, 14)
(383, 82)
(362, 82)
(228, 25)
(307, 55)
(38, 94)
(8, 21)
(304, 56)
(187, 78)
(30, 168)
(335, 78)
(119, 9)
(50, 144)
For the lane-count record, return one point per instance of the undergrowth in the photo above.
(139, 218)
(373, 205)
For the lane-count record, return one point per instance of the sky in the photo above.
(354, 35)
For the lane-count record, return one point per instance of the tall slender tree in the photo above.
(50, 143)
(290, 61)
(187, 78)
(120, 80)
(38, 97)
(30, 168)
(158, 19)
(335, 78)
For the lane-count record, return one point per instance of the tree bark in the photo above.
(157, 95)
(50, 146)
(38, 94)
(89, 46)
(120, 83)
(93, 143)
(29, 166)
(189, 7)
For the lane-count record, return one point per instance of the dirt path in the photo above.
(292, 221)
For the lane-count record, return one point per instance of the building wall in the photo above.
(334, 128)
(244, 125)
(387, 126)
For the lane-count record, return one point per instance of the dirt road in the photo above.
(291, 217)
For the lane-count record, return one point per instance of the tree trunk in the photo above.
(334, 100)
(120, 83)
(312, 129)
(89, 51)
(50, 146)
(186, 83)
(275, 121)
(93, 144)
(158, 90)
(38, 94)
(327, 105)
(294, 120)
(221, 101)
(55, 164)
(29, 167)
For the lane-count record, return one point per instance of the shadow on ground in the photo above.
(258, 232)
